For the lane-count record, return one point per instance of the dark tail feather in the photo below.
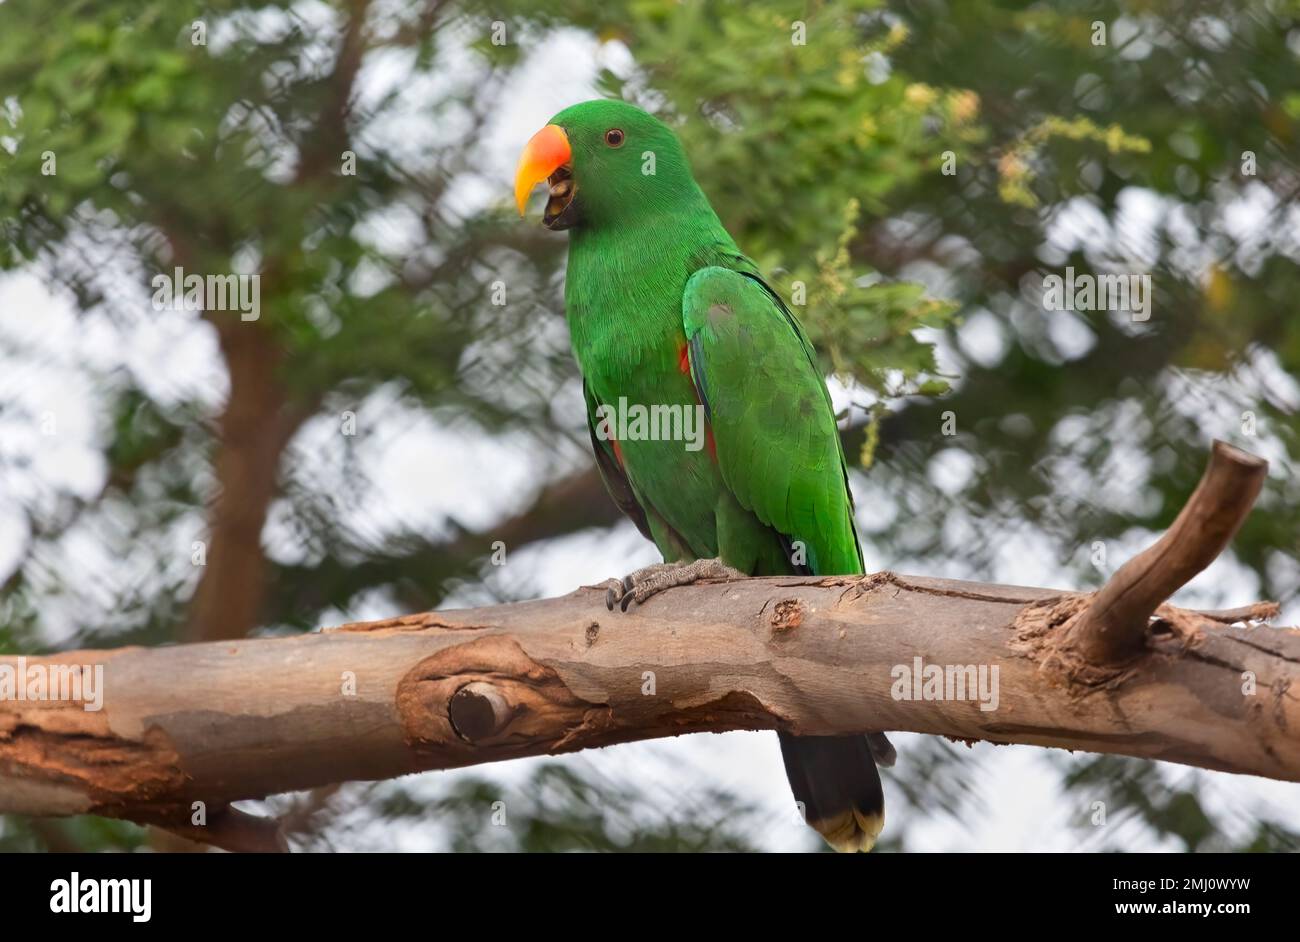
(835, 779)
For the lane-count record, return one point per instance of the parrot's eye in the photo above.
(614, 137)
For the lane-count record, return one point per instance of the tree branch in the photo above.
(1114, 628)
(241, 719)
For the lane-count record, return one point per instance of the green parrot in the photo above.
(665, 311)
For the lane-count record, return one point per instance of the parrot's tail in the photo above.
(834, 778)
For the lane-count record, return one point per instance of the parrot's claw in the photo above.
(615, 589)
(882, 750)
(641, 585)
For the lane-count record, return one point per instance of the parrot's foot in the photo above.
(642, 584)
(882, 750)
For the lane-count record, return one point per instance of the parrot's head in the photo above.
(605, 162)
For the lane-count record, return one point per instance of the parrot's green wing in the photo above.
(773, 424)
(611, 469)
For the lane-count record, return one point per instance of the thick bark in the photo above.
(243, 719)
(224, 721)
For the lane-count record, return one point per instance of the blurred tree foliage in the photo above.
(559, 806)
(824, 133)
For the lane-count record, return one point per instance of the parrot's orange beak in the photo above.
(546, 152)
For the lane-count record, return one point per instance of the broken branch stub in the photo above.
(1113, 628)
(478, 711)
